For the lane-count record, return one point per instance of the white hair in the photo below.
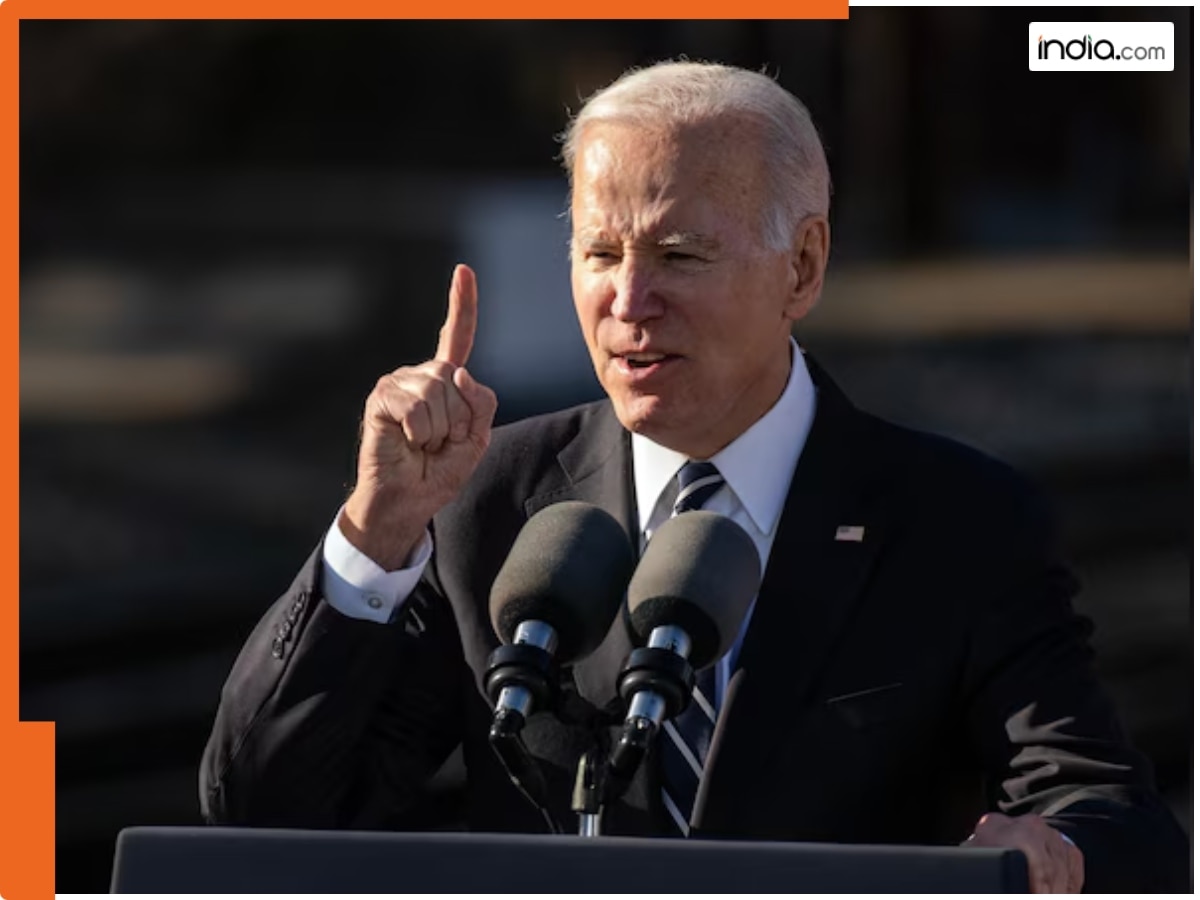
(670, 95)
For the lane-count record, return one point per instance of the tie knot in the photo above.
(698, 481)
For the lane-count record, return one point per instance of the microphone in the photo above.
(686, 602)
(554, 600)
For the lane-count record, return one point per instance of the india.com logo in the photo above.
(1084, 48)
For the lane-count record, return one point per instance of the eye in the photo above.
(600, 255)
(682, 256)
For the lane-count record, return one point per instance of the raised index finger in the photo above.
(458, 334)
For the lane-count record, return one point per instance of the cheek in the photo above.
(590, 303)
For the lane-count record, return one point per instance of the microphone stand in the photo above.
(656, 682)
(518, 681)
(587, 797)
(598, 783)
(505, 738)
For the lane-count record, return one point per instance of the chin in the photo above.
(647, 416)
(637, 414)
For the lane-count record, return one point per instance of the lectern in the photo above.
(285, 861)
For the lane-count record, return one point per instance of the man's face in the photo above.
(686, 314)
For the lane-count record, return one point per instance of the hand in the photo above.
(1055, 865)
(425, 430)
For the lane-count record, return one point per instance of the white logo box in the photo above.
(1101, 46)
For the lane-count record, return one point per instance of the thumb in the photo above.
(480, 398)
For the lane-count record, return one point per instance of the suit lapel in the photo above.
(597, 468)
(812, 585)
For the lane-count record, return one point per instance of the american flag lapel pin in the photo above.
(854, 533)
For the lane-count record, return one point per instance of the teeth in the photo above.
(644, 357)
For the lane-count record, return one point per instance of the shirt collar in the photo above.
(757, 465)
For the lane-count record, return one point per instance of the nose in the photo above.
(636, 294)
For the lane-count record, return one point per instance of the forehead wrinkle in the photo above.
(639, 224)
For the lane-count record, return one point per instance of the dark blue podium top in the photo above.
(246, 860)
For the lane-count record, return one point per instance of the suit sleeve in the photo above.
(327, 721)
(1047, 732)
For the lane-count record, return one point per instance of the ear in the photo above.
(810, 255)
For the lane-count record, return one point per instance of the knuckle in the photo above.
(414, 410)
(381, 407)
(383, 386)
(440, 368)
(392, 384)
(430, 389)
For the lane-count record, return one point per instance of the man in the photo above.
(911, 660)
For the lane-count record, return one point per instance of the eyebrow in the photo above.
(593, 237)
(687, 239)
(674, 239)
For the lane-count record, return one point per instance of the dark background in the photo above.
(229, 230)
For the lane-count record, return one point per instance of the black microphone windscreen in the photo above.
(568, 568)
(700, 573)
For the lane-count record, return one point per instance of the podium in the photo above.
(282, 861)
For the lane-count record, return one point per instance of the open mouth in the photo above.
(643, 360)
(643, 365)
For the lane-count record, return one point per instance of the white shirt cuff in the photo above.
(356, 586)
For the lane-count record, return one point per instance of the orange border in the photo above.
(27, 748)
(455, 9)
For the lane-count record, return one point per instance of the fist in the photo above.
(1055, 864)
(425, 430)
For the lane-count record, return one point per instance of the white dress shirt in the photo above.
(757, 468)
(357, 586)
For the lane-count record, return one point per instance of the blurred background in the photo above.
(230, 229)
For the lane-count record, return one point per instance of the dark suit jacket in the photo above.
(888, 691)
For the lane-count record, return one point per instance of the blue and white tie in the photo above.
(685, 740)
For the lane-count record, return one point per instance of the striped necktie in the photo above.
(685, 740)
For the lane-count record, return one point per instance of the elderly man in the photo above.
(911, 670)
